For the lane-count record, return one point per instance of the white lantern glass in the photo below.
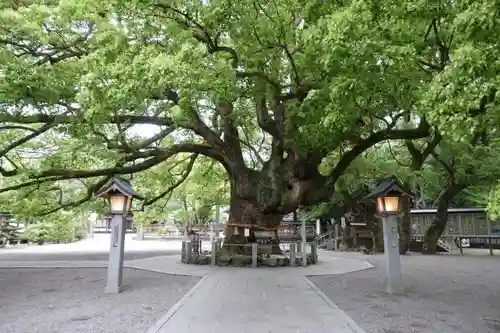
(388, 204)
(391, 204)
(118, 203)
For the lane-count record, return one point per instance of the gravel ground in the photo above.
(72, 300)
(444, 294)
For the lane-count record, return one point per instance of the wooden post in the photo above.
(255, 248)
(488, 223)
(336, 235)
(183, 252)
(354, 237)
(303, 243)
(217, 221)
(189, 251)
(344, 233)
(314, 253)
(459, 217)
(293, 254)
(214, 253)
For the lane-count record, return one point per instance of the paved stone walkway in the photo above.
(255, 300)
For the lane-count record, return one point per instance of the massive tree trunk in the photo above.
(260, 199)
(243, 215)
(437, 227)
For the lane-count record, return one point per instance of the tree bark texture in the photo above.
(438, 225)
(260, 199)
(243, 215)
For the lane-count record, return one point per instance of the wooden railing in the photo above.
(324, 237)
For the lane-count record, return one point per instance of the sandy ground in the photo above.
(93, 249)
(72, 300)
(444, 294)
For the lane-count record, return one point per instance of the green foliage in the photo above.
(86, 74)
(494, 203)
(37, 233)
(205, 187)
(59, 228)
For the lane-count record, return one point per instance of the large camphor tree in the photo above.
(266, 89)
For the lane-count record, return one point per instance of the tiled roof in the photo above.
(118, 184)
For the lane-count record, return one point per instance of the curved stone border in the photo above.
(246, 260)
(348, 320)
(177, 306)
(328, 264)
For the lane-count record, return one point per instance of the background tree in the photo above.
(463, 165)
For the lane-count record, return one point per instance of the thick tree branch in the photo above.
(152, 158)
(255, 153)
(264, 119)
(418, 157)
(231, 135)
(19, 127)
(155, 138)
(200, 32)
(53, 52)
(446, 165)
(68, 119)
(198, 126)
(20, 142)
(421, 131)
(88, 196)
(158, 156)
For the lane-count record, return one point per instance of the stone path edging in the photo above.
(163, 320)
(352, 324)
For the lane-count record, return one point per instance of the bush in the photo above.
(37, 233)
(80, 233)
